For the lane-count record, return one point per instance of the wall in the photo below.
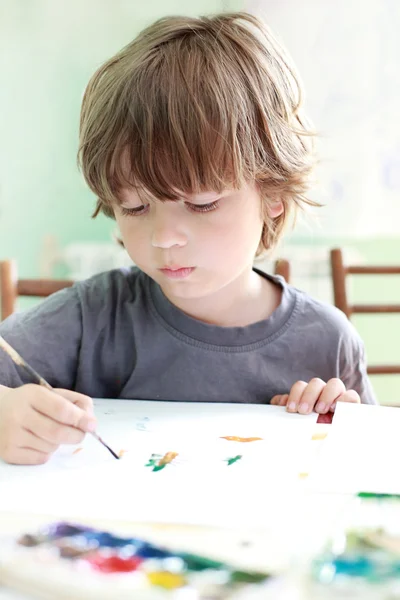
(48, 50)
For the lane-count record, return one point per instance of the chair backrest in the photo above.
(11, 287)
(339, 274)
(282, 267)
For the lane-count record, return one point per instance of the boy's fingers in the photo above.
(349, 396)
(280, 400)
(28, 439)
(26, 456)
(80, 400)
(59, 409)
(310, 395)
(296, 392)
(333, 389)
(53, 431)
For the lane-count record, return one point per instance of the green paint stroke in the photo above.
(231, 461)
(378, 496)
(153, 462)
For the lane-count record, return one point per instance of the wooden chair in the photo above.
(339, 273)
(282, 267)
(11, 287)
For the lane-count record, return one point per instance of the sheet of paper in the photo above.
(361, 451)
(183, 462)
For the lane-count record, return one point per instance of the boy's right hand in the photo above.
(34, 421)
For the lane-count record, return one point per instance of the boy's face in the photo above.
(195, 246)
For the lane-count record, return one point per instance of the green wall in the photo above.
(49, 49)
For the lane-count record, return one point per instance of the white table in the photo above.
(315, 514)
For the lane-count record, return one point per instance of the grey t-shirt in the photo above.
(117, 336)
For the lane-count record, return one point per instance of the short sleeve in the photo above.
(353, 366)
(48, 338)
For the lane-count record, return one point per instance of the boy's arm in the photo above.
(3, 390)
(48, 338)
(353, 366)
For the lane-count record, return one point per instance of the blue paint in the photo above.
(59, 530)
(150, 551)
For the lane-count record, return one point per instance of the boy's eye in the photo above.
(143, 208)
(134, 212)
(203, 207)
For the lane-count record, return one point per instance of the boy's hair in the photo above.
(197, 105)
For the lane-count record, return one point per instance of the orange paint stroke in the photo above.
(235, 438)
(167, 458)
(77, 450)
(121, 453)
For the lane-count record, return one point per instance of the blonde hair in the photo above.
(198, 104)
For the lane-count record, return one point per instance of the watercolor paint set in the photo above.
(362, 560)
(79, 562)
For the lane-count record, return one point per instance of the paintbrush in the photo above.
(19, 361)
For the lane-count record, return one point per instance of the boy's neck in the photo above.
(248, 299)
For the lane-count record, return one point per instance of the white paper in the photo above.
(361, 451)
(197, 486)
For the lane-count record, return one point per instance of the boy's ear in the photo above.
(275, 208)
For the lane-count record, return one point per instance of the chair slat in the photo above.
(340, 271)
(11, 287)
(375, 308)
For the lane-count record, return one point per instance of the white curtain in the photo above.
(348, 55)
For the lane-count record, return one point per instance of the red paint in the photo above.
(113, 564)
(327, 418)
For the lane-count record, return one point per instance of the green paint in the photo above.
(159, 467)
(247, 577)
(200, 563)
(231, 461)
(153, 462)
(379, 496)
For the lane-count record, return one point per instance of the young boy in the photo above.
(192, 139)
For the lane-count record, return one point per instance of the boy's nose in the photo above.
(166, 235)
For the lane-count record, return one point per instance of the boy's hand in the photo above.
(315, 395)
(34, 421)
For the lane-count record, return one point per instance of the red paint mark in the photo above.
(235, 438)
(327, 419)
(77, 450)
(113, 564)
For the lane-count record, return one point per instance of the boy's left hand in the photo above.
(315, 395)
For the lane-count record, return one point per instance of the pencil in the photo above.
(20, 362)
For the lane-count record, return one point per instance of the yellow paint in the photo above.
(121, 453)
(167, 458)
(166, 580)
(319, 436)
(303, 475)
(235, 438)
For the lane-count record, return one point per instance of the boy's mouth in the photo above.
(177, 272)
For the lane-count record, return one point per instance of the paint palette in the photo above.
(363, 558)
(80, 562)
